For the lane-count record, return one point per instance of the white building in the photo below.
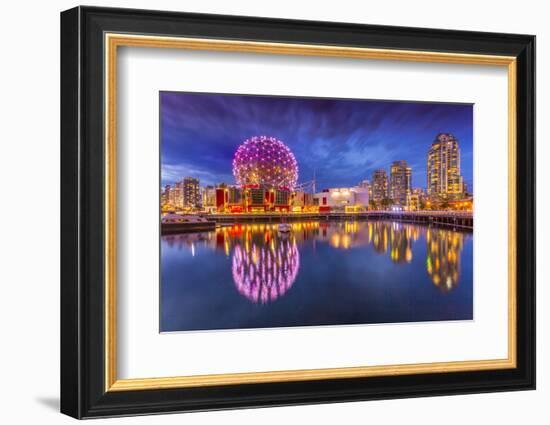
(342, 199)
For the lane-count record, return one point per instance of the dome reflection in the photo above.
(263, 273)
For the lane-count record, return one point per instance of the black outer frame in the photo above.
(82, 212)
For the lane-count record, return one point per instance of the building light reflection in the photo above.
(265, 263)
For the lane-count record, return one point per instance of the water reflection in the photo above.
(264, 272)
(443, 257)
(265, 264)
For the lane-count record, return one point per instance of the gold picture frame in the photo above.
(113, 41)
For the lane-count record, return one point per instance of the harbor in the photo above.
(267, 221)
(450, 219)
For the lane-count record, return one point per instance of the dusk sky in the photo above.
(344, 141)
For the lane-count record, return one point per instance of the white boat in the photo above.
(177, 223)
(284, 227)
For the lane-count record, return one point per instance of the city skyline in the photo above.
(342, 141)
(265, 203)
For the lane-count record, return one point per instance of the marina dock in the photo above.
(453, 219)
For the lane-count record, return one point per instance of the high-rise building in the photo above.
(444, 180)
(178, 194)
(165, 196)
(191, 192)
(172, 196)
(400, 182)
(379, 187)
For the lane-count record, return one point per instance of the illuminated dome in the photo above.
(263, 160)
(263, 274)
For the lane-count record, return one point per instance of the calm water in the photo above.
(322, 273)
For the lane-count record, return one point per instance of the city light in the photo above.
(266, 182)
(265, 161)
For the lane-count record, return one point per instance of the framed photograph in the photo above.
(261, 212)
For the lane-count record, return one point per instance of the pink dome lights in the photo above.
(265, 273)
(265, 161)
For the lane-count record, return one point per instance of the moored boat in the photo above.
(284, 228)
(177, 223)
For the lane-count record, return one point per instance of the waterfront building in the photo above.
(252, 199)
(301, 201)
(221, 198)
(165, 195)
(280, 199)
(342, 199)
(444, 180)
(190, 192)
(172, 196)
(229, 199)
(417, 200)
(177, 194)
(209, 198)
(265, 198)
(234, 198)
(256, 198)
(365, 184)
(379, 187)
(400, 183)
(414, 202)
(464, 204)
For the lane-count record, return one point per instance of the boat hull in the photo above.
(169, 228)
